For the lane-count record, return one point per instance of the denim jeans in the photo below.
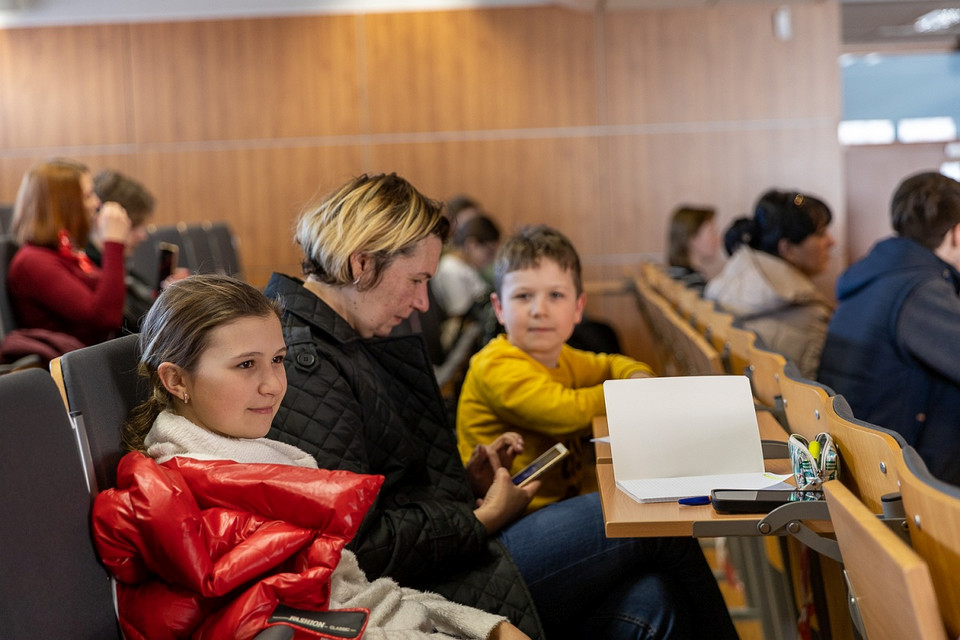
(586, 585)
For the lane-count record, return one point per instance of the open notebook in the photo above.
(680, 437)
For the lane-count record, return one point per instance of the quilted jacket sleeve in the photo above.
(340, 410)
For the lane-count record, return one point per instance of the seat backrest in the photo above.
(144, 260)
(804, 402)
(891, 585)
(206, 259)
(666, 357)
(224, 244)
(6, 217)
(765, 370)
(51, 584)
(734, 345)
(101, 383)
(869, 455)
(8, 322)
(932, 510)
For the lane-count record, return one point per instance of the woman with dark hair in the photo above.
(53, 284)
(767, 282)
(693, 242)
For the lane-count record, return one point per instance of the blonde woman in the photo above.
(363, 400)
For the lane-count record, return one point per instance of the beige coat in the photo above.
(778, 302)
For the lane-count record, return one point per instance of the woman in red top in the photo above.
(52, 284)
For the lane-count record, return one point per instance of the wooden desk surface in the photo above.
(624, 517)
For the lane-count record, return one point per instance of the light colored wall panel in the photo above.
(874, 173)
(552, 180)
(62, 87)
(720, 63)
(244, 79)
(260, 192)
(598, 125)
(491, 69)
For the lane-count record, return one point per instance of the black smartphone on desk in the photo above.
(757, 500)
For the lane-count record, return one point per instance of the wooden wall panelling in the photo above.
(62, 87)
(873, 173)
(254, 79)
(259, 191)
(720, 63)
(523, 67)
(520, 181)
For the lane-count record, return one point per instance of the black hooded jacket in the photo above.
(893, 348)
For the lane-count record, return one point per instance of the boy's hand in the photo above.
(504, 502)
(486, 459)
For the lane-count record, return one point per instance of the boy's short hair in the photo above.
(925, 206)
(527, 247)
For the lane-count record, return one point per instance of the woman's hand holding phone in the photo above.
(504, 502)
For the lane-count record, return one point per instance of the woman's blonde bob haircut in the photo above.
(381, 216)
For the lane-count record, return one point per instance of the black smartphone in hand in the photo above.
(757, 500)
(167, 254)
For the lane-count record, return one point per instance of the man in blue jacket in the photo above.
(893, 345)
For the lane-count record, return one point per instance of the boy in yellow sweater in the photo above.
(529, 380)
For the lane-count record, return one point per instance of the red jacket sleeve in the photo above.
(180, 537)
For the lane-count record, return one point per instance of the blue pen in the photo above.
(695, 501)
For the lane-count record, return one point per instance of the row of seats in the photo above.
(204, 247)
(897, 527)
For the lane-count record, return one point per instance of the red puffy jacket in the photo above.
(208, 548)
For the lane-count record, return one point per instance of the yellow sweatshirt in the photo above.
(507, 390)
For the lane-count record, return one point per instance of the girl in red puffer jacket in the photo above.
(214, 531)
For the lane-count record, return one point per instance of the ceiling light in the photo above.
(937, 20)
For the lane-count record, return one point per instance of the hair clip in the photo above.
(798, 199)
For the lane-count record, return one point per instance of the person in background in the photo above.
(529, 380)
(459, 209)
(362, 400)
(893, 345)
(139, 203)
(458, 285)
(52, 283)
(767, 282)
(212, 351)
(693, 246)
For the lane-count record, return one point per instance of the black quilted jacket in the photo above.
(373, 406)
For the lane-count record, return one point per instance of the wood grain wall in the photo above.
(596, 124)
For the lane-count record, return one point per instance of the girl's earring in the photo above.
(186, 398)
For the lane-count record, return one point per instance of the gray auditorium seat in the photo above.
(51, 584)
(101, 384)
